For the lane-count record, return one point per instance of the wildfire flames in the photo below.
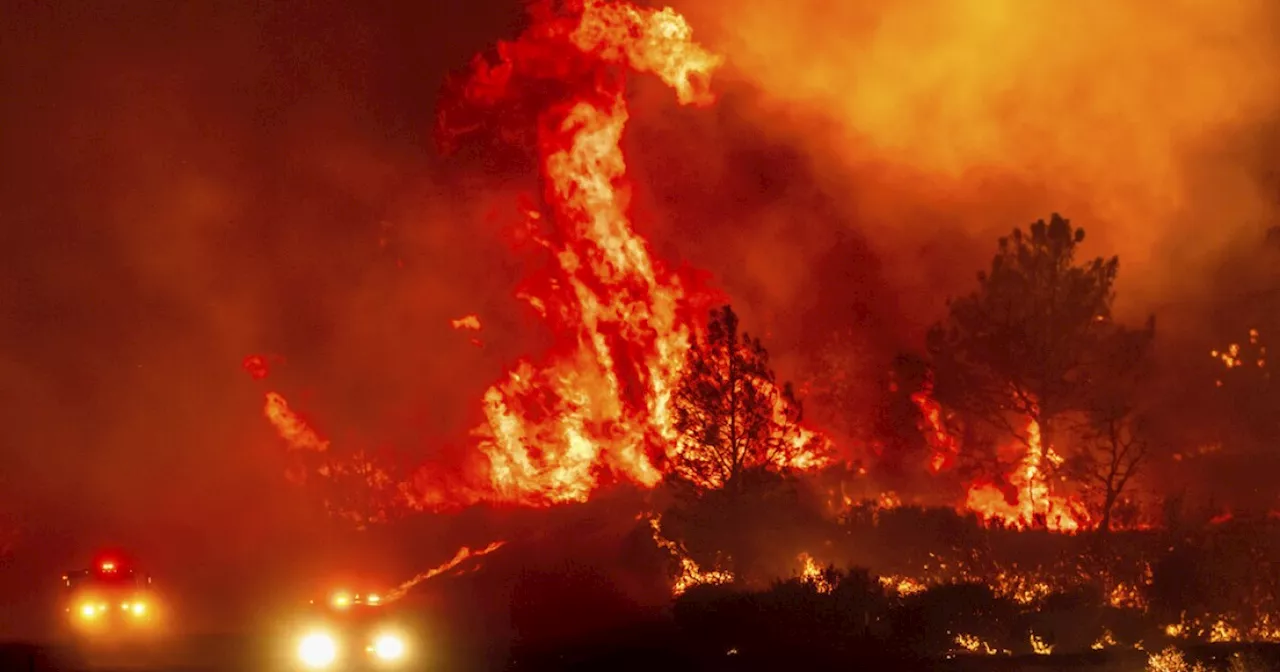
(812, 574)
(597, 409)
(690, 574)
(1035, 502)
(1029, 501)
(944, 446)
(295, 431)
(469, 323)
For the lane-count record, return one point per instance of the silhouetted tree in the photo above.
(1035, 338)
(739, 434)
(1116, 434)
(1111, 453)
(731, 413)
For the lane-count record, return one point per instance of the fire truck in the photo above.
(353, 631)
(110, 599)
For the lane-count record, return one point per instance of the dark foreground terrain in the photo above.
(240, 653)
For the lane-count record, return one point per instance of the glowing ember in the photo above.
(690, 573)
(1127, 596)
(1237, 356)
(1025, 589)
(974, 644)
(256, 366)
(903, 585)
(888, 500)
(1221, 631)
(1234, 357)
(1105, 640)
(467, 322)
(1172, 660)
(293, 429)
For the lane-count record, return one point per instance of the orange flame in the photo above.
(811, 573)
(691, 574)
(463, 554)
(297, 434)
(600, 410)
(466, 322)
(1035, 500)
(945, 446)
(469, 323)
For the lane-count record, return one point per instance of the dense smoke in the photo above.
(1152, 124)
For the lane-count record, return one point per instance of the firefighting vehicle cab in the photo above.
(352, 631)
(111, 598)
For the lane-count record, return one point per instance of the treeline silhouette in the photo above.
(986, 597)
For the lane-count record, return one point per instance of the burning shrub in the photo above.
(1173, 660)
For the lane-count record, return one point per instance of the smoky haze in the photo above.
(187, 185)
(1153, 122)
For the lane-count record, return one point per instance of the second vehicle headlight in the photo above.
(388, 647)
(317, 650)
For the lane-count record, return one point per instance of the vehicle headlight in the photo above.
(138, 608)
(317, 650)
(388, 647)
(88, 611)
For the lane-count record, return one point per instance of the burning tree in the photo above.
(731, 414)
(1036, 343)
(739, 436)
